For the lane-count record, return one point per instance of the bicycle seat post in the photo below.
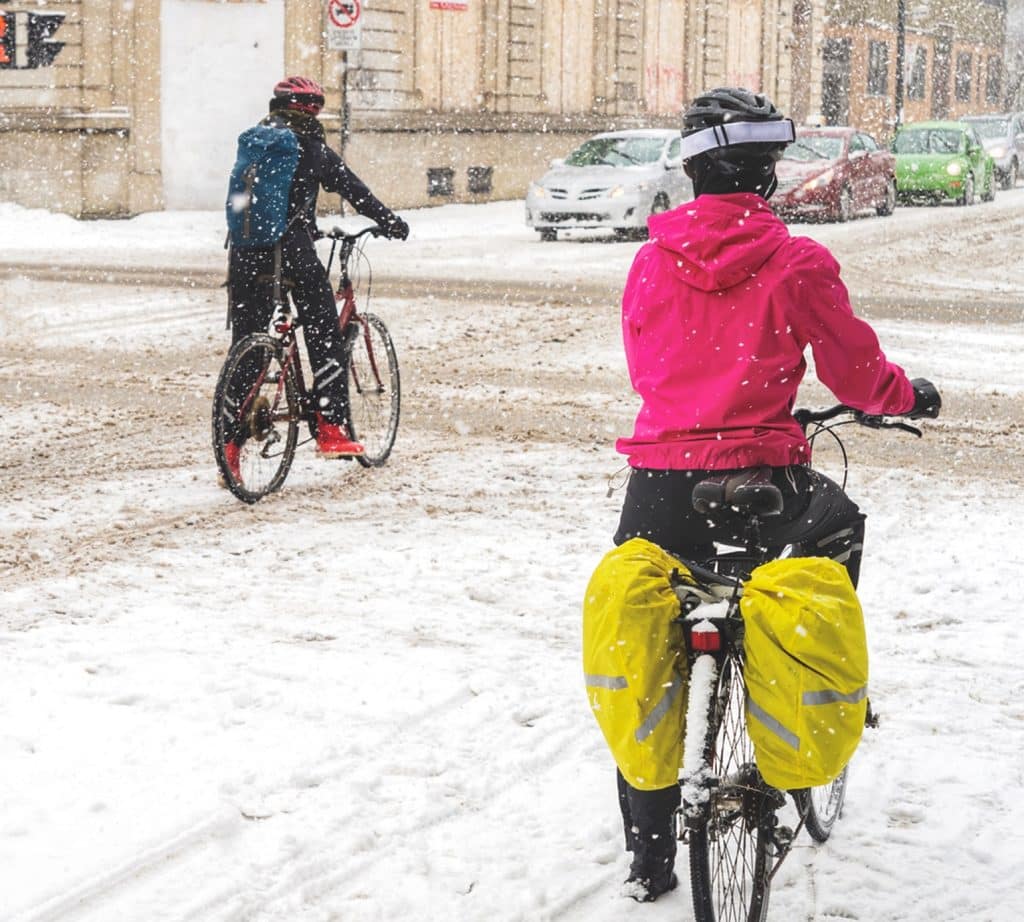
(752, 536)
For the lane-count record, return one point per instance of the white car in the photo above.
(615, 180)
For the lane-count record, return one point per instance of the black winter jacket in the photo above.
(320, 166)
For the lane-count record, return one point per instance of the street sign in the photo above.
(344, 25)
(461, 5)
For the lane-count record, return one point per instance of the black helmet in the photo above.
(729, 104)
(734, 106)
(731, 140)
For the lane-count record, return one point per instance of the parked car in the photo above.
(943, 160)
(831, 174)
(1003, 137)
(614, 180)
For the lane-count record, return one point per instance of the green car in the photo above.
(943, 160)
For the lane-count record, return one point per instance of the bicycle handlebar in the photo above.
(873, 421)
(339, 233)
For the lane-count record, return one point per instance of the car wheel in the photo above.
(661, 203)
(967, 196)
(888, 204)
(845, 204)
(989, 195)
(548, 234)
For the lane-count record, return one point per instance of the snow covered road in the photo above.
(361, 699)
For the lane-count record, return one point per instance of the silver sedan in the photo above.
(615, 180)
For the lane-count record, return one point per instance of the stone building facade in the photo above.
(954, 61)
(442, 100)
(79, 105)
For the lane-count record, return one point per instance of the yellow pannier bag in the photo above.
(634, 662)
(806, 670)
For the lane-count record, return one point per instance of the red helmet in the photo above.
(302, 93)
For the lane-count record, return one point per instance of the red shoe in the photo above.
(332, 441)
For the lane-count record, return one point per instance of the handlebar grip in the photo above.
(927, 400)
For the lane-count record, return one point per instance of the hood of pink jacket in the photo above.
(719, 240)
(717, 312)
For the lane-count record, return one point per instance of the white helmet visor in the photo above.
(728, 135)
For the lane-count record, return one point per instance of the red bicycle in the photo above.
(261, 395)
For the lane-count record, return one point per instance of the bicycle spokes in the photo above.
(373, 389)
(263, 424)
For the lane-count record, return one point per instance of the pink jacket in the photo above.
(717, 312)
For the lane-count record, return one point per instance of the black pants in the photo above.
(250, 282)
(817, 517)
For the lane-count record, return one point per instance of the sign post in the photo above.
(344, 28)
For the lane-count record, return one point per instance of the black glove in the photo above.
(927, 401)
(396, 228)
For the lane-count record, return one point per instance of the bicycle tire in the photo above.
(821, 806)
(729, 854)
(374, 389)
(267, 423)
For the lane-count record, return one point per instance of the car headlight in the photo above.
(820, 181)
(538, 191)
(954, 168)
(998, 152)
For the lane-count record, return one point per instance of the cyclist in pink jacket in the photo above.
(718, 311)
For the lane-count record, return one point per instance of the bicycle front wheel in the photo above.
(820, 807)
(374, 391)
(729, 854)
(255, 418)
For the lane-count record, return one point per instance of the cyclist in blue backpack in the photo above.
(296, 103)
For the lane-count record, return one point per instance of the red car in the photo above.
(832, 174)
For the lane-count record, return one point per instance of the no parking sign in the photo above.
(344, 24)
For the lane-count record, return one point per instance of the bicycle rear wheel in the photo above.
(256, 409)
(821, 806)
(374, 390)
(729, 854)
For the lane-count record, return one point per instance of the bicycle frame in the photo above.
(285, 326)
(344, 295)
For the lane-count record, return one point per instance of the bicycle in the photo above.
(729, 816)
(261, 395)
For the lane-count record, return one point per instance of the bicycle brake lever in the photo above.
(906, 427)
(881, 422)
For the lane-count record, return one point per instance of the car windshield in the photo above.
(990, 127)
(616, 152)
(928, 141)
(814, 147)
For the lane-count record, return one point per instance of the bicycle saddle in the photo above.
(749, 491)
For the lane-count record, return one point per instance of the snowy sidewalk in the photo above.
(476, 245)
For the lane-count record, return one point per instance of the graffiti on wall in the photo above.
(25, 39)
(663, 87)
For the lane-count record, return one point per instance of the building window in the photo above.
(963, 77)
(994, 83)
(878, 68)
(918, 73)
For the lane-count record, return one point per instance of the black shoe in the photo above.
(647, 889)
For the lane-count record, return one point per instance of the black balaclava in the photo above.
(720, 177)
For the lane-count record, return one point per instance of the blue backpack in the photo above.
(261, 181)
